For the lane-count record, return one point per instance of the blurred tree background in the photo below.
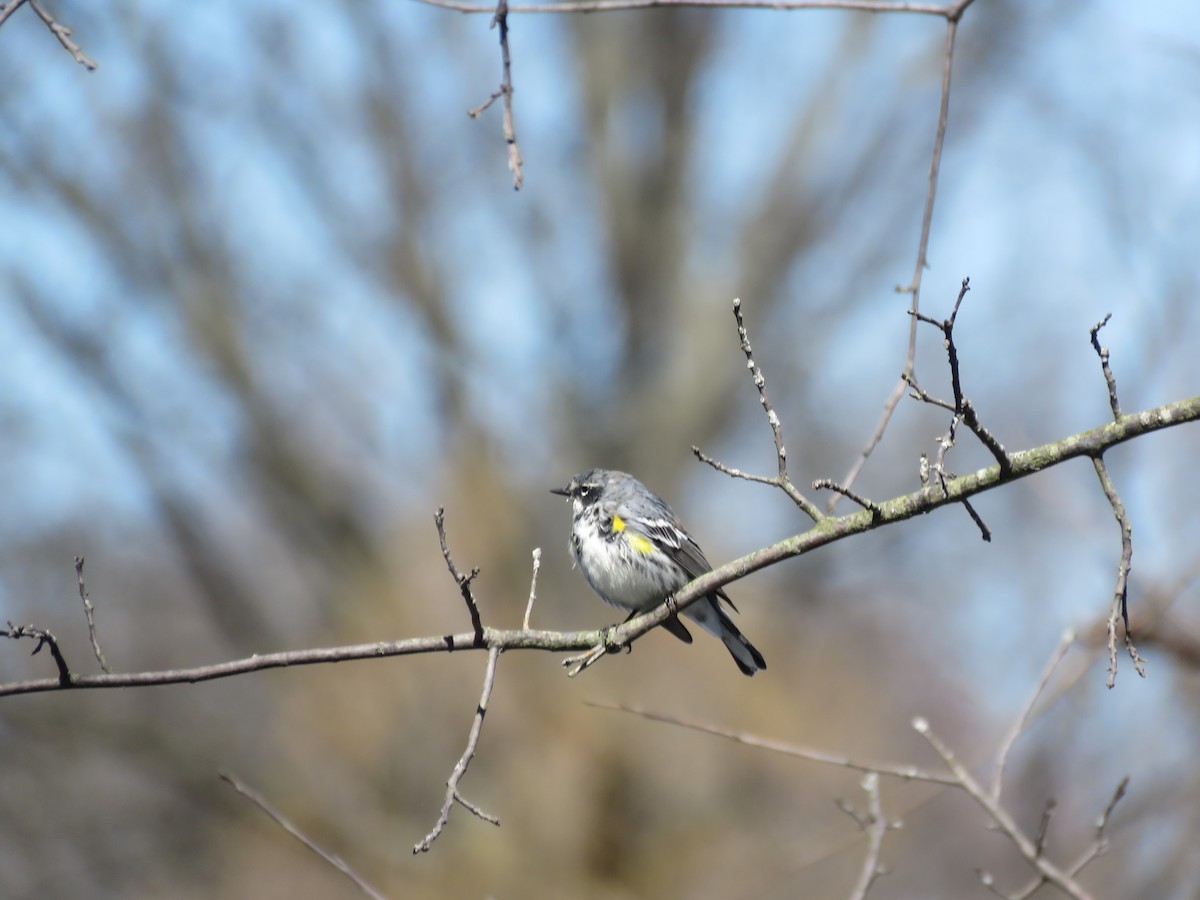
(268, 298)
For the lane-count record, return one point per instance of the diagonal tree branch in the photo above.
(1024, 463)
(280, 819)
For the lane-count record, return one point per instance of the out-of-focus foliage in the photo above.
(268, 298)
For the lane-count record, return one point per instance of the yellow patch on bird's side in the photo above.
(636, 541)
(640, 544)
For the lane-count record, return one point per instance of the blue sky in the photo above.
(1075, 195)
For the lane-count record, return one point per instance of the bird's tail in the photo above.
(744, 653)
(710, 616)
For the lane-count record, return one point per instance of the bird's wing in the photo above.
(669, 535)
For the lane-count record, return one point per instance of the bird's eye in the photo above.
(586, 491)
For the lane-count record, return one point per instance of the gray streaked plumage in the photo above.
(634, 552)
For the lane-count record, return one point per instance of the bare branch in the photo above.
(731, 471)
(1039, 839)
(885, 418)
(1120, 605)
(44, 639)
(1097, 848)
(875, 826)
(781, 480)
(551, 641)
(826, 484)
(89, 611)
(607, 644)
(984, 531)
(903, 772)
(962, 406)
(333, 860)
(1022, 720)
(1064, 881)
(1118, 794)
(760, 384)
(500, 20)
(1032, 849)
(1102, 352)
(919, 393)
(464, 581)
(938, 466)
(537, 565)
(61, 32)
(1024, 463)
(460, 768)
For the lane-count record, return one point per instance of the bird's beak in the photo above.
(565, 491)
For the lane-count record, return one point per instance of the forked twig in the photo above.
(781, 479)
(44, 638)
(500, 21)
(875, 826)
(464, 581)
(460, 768)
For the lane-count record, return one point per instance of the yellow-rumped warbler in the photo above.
(635, 553)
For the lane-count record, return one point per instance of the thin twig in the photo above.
(464, 581)
(1102, 352)
(919, 393)
(281, 820)
(827, 485)
(1039, 839)
(731, 471)
(1022, 720)
(1003, 819)
(460, 768)
(62, 33)
(1120, 605)
(1097, 848)
(962, 406)
(44, 639)
(760, 384)
(1121, 594)
(984, 531)
(885, 417)
(500, 21)
(1118, 794)
(862, 820)
(781, 480)
(875, 827)
(608, 643)
(9, 8)
(971, 420)
(962, 409)
(903, 772)
(537, 565)
(89, 611)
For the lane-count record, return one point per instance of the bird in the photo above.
(635, 553)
